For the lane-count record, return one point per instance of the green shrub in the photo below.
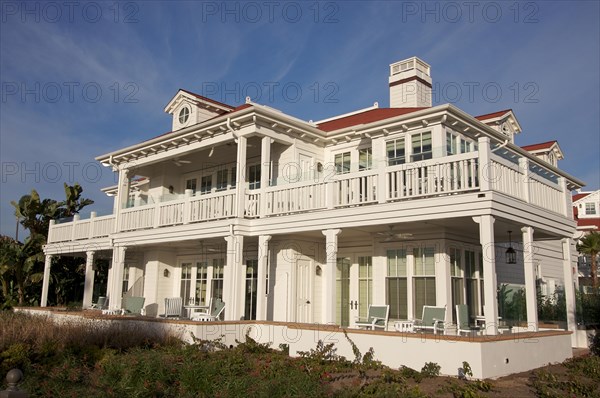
(431, 369)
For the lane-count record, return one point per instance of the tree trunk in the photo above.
(594, 270)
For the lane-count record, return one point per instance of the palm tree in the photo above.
(590, 245)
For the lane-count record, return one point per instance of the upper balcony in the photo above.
(499, 169)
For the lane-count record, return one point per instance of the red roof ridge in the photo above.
(493, 114)
(541, 145)
(208, 99)
(368, 116)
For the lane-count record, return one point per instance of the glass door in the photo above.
(354, 285)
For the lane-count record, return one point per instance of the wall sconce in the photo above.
(511, 254)
(320, 167)
(318, 270)
(166, 273)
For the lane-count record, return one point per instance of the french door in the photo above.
(354, 285)
(304, 291)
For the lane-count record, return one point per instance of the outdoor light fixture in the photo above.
(511, 254)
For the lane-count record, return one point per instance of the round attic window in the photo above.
(184, 115)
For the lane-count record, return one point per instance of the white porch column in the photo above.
(329, 290)
(486, 238)
(46, 281)
(233, 289)
(261, 275)
(485, 164)
(240, 188)
(88, 289)
(118, 266)
(443, 283)
(529, 272)
(568, 271)
(265, 171)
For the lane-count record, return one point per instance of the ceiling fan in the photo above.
(178, 162)
(393, 236)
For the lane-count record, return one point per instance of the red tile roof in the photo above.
(493, 115)
(365, 117)
(542, 145)
(207, 99)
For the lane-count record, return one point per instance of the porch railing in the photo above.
(468, 172)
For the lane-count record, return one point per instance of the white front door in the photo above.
(354, 285)
(303, 291)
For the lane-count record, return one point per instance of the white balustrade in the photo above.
(170, 213)
(442, 176)
(295, 198)
(212, 206)
(433, 177)
(507, 177)
(356, 188)
(137, 218)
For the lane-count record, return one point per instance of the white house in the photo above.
(310, 222)
(586, 210)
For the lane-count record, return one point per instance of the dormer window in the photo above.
(184, 115)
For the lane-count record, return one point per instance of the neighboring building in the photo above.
(311, 222)
(586, 210)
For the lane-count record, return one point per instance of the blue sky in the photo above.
(84, 79)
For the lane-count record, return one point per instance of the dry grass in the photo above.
(40, 333)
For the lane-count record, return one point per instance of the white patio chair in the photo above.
(377, 317)
(173, 308)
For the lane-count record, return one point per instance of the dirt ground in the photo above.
(518, 385)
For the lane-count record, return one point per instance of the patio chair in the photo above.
(173, 307)
(462, 320)
(377, 317)
(432, 319)
(101, 304)
(216, 309)
(133, 306)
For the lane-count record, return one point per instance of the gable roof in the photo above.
(203, 98)
(372, 115)
(542, 145)
(582, 195)
(493, 115)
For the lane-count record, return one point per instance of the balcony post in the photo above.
(567, 207)
(487, 241)
(122, 196)
(46, 280)
(265, 173)
(88, 289)
(240, 188)
(261, 275)
(329, 288)
(51, 231)
(76, 218)
(93, 215)
(187, 208)
(524, 166)
(485, 164)
(529, 273)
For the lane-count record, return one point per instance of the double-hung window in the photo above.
(342, 163)
(206, 184)
(421, 146)
(397, 284)
(451, 147)
(396, 152)
(222, 179)
(365, 159)
(590, 208)
(424, 278)
(254, 176)
(191, 184)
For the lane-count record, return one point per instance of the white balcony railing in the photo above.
(454, 174)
